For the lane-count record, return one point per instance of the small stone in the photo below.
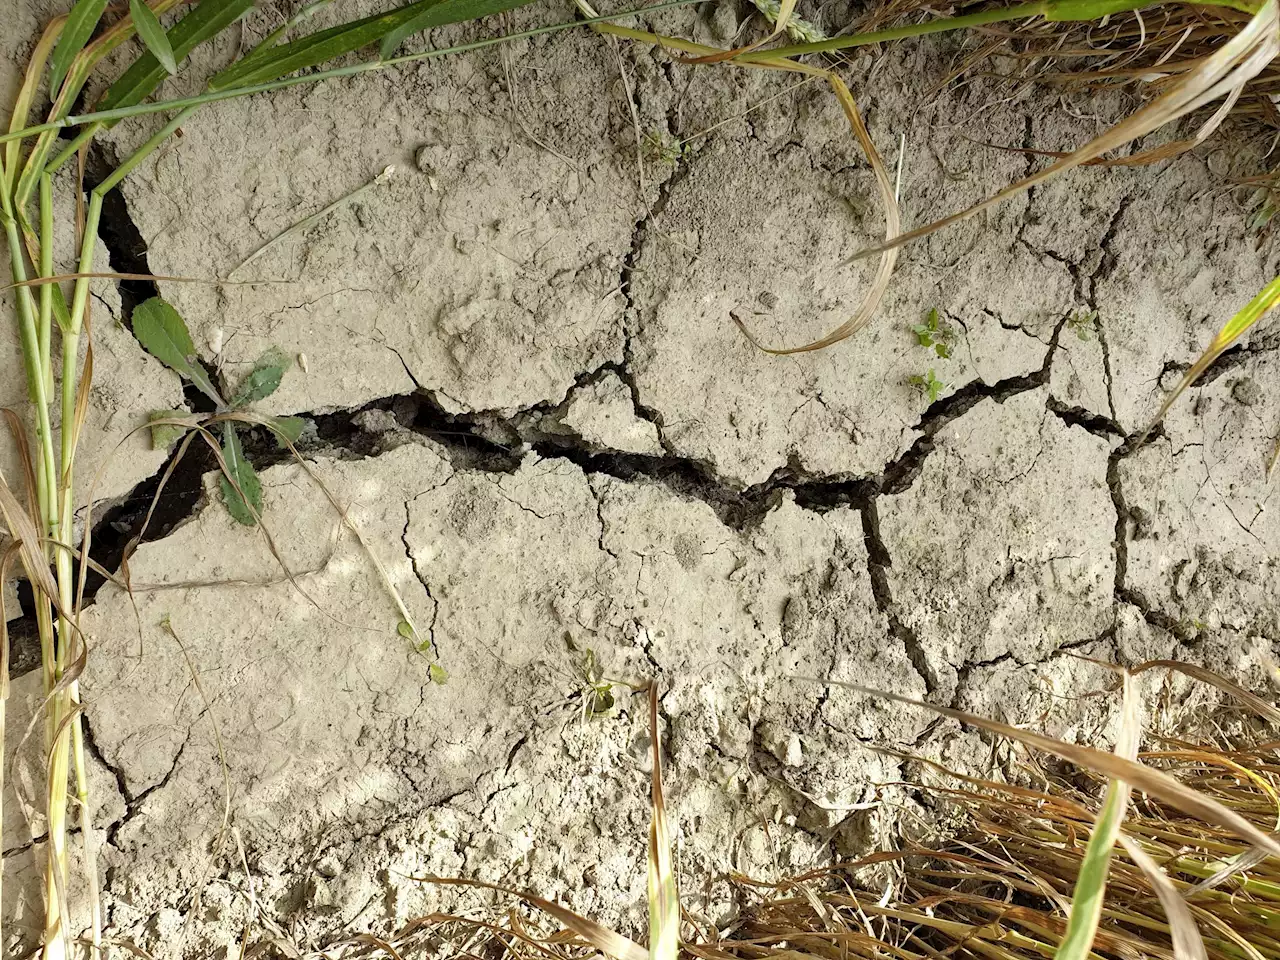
(784, 744)
(376, 421)
(1143, 522)
(320, 895)
(1246, 391)
(724, 23)
(422, 160)
(329, 866)
(363, 216)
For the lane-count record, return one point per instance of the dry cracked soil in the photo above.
(525, 386)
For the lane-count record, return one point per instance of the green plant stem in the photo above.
(1019, 11)
(231, 93)
(46, 470)
(45, 327)
(80, 299)
(70, 150)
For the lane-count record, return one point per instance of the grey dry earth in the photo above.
(527, 386)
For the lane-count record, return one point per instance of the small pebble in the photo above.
(422, 159)
(329, 866)
(1143, 522)
(1246, 391)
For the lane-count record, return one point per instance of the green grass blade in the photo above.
(152, 34)
(1020, 11)
(270, 63)
(79, 27)
(448, 11)
(1091, 884)
(145, 74)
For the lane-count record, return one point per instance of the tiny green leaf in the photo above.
(264, 379)
(924, 336)
(287, 430)
(162, 333)
(928, 384)
(439, 675)
(76, 32)
(164, 435)
(153, 35)
(245, 478)
(943, 350)
(405, 629)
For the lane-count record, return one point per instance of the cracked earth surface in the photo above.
(526, 385)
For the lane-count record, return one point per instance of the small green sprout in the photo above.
(597, 691)
(936, 334)
(662, 147)
(928, 384)
(1084, 323)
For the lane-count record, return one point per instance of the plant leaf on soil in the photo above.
(79, 28)
(445, 12)
(263, 380)
(892, 227)
(286, 430)
(203, 23)
(246, 478)
(164, 335)
(164, 435)
(152, 34)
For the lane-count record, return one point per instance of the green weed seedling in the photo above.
(935, 333)
(1084, 323)
(597, 691)
(662, 147)
(928, 384)
(163, 334)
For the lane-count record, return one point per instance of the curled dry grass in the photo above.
(1025, 867)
